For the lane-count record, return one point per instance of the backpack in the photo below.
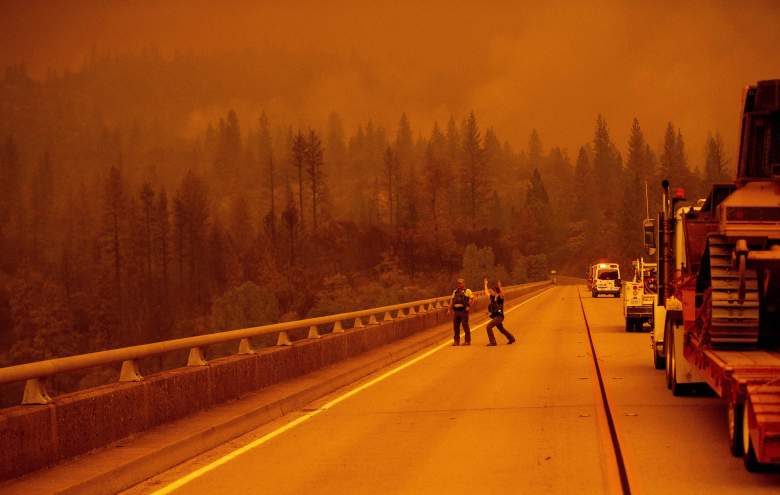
(459, 299)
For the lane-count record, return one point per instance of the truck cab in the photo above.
(606, 279)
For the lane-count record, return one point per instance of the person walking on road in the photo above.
(460, 304)
(496, 312)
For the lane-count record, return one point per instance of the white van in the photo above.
(606, 279)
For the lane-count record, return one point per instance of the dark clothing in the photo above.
(498, 322)
(496, 306)
(460, 300)
(461, 318)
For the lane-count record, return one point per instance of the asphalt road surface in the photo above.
(522, 418)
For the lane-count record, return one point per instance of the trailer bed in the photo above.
(749, 378)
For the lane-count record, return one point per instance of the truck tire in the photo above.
(658, 361)
(629, 324)
(678, 389)
(750, 459)
(736, 444)
(595, 294)
(667, 355)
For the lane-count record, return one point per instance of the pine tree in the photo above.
(606, 161)
(298, 159)
(315, 175)
(583, 186)
(715, 163)
(472, 168)
(391, 181)
(637, 155)
(290, 221)
(265, 158)
(192, 214)
(538, 217)
(435, 173)
(668, 169)
(113, 235)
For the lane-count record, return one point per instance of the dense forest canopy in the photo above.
(123, 221)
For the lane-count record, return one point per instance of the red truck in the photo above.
(719, 286)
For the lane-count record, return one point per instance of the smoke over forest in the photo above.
(173, 168)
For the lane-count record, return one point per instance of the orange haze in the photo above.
(519, 65)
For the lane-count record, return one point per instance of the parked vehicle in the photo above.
(719, 286)
(605, 279)
(639, 296)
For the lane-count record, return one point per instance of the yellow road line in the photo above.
(301, 419)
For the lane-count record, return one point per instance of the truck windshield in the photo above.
(609, 275)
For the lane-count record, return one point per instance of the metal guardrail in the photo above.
(32, 373)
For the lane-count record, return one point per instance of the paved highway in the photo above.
(525, 418)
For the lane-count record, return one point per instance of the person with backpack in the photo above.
(460, 304)
(496, 313)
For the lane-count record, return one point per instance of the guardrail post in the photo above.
(388, 316)
(412, 312)
(130, 371)
(372, 320)
(283, 339)
(196, 357)
(314, 333)
(245, 346)
(337, 327)
(400, 314)
(35, 393)
(358, 323)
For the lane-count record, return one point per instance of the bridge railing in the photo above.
(34, 373)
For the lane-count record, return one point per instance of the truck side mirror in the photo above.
(649, 232)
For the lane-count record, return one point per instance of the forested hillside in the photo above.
(127, 215)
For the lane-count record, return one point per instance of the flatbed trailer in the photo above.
(749, 382)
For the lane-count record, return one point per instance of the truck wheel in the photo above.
(736, 445)
(678, 389)
(668, 357)
(629, 325)
(750, 459)
(658, 361)
(595, 294)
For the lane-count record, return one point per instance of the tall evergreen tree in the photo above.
(606, 161)
(669, 168)
(298, 159)
(715, 163)
(315, 175)
(472, 168)
(265, 159)
(637, 155)
(391, 182)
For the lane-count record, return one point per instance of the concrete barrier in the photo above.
(33, 437)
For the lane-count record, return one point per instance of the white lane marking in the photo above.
(301, 419)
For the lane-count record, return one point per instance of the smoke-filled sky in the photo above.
(519, 65)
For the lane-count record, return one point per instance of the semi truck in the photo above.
(718, 313)
(639, 296)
